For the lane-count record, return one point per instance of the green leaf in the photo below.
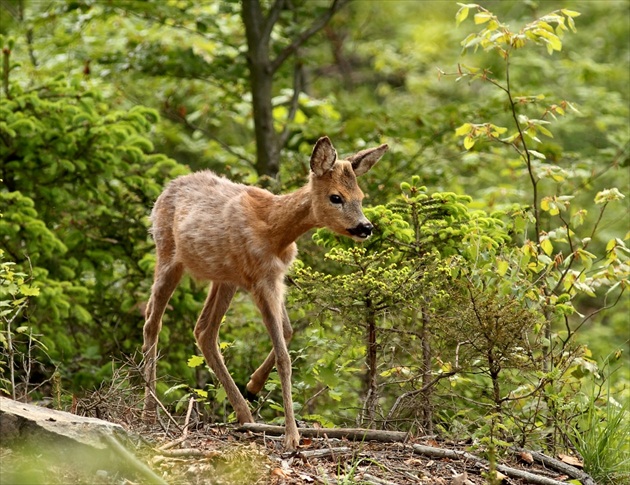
(502, 267)
(546, 246)
(482, 17)
(29, 290)
(195, 361)
(537, 154)
(175, 388)
(463, 130)
(570, 13)
(220, 395)
(461, 15)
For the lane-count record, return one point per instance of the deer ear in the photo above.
(323, 157)
(365, 159)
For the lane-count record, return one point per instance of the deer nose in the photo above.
(363, 230)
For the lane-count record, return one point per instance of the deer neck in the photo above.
(291, 216)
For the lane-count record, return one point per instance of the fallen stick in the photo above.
(354, 434)
(184, 435)
(166, 412)
(376, 480)
(560, 466)
(509, 471)
(325, 452)
(190, 452)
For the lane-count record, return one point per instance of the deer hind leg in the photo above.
(166, 279)
(207, 335)
(271, 307)
(260, 375)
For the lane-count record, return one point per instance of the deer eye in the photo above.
(336, 199)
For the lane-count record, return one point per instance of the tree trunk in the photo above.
(371, 401)
(262, 67)
(427, 408)
(258, 32)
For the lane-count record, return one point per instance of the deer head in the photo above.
(336, 196)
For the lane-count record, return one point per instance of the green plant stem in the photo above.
(6, 54)
(525, 152)
(11, 350)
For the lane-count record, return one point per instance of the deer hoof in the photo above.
(245, 417)
(291, 441)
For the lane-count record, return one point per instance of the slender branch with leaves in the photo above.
(559, 256)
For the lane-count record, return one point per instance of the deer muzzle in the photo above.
(361, 231)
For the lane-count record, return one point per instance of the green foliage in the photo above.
(501, 292)
(568, 271)
(553, 264)
(600, 435)
(487, 300)
(78, 179)
(16, 343)
(403, 270)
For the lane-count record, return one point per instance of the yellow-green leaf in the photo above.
(570, 13)
(545, 131)
(462, 14)
(544, 204)
(29, 290)
(463, 130)
(502, 267)
(201, 393)
(546, 246)
(469, 142)
(482, 17)
(195, 361)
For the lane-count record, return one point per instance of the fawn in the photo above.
(239, 236)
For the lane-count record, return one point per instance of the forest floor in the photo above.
(227, 456)
(178, 451)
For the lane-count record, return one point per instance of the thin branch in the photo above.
(297, 88)
(355, 434)
(146, 17)
(6, 67)
(415, 392)
(171, 419)
(607, 307)
(317, 25)
(270, 21)
(314, 396)
(599, 219)
(177, 117)
(528, 159)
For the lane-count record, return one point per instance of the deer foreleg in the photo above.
(271, 307)
(260, 375)
(207, 335)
